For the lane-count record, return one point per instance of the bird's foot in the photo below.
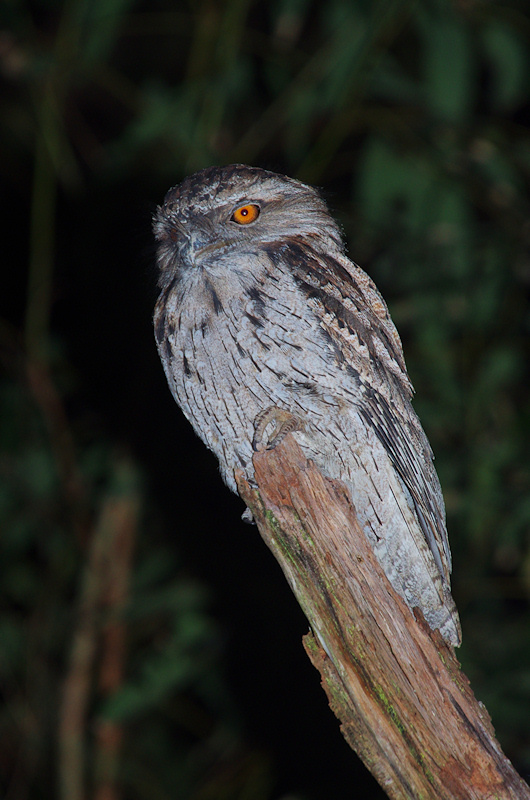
(248, 517)
(281, 423)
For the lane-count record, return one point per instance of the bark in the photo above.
(396, 687)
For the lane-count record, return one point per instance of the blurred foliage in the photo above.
(414, 117)
(69, 526)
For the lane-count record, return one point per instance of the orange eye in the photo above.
(246, 214)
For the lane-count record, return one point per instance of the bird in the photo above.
(265, 326)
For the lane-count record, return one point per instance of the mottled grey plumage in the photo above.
(269, 313)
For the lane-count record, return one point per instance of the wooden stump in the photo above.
(403, 703)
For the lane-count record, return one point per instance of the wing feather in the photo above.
(354, 316)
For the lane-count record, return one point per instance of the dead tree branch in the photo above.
(403, 703)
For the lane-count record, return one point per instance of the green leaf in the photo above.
(509, 62)
(449, 67)
(95, 24)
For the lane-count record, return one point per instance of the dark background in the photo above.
(149, 645)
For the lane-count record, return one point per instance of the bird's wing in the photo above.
(355, 321)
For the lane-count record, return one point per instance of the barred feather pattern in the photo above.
(274, 314)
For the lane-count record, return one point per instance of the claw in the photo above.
(248, 517)
(284, 422)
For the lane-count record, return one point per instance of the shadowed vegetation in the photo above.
(132, 612)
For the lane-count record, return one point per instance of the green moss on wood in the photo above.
(391, 711)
